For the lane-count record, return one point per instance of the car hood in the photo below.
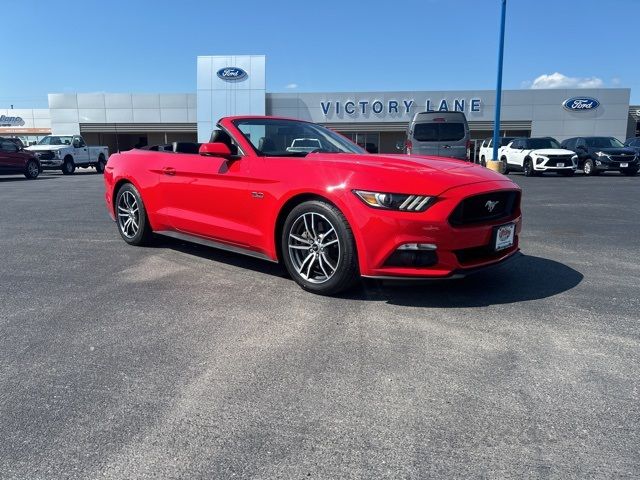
(553, 151)
(406, 173)
(48, 148)
(615, 151)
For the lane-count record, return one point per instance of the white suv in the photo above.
(534, 156)
(486, 149)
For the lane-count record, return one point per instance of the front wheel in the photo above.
(588, 168)
(32, 169)
(131, 216)
(527, 168)
(68, 167)
(318, 248)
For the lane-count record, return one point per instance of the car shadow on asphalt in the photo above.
(21, 178)
(523, 278)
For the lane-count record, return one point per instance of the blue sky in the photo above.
(323, 45)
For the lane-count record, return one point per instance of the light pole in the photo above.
(496, 164)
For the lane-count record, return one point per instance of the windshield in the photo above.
(504, 141)
(55, 140)
(539, 143)
(273, 137)
(603, 142)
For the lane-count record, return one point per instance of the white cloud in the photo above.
(291, 86)
(558, 80)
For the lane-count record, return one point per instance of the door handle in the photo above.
(446, 146)
(169, 171)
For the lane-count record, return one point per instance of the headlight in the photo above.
(541, 159)
(602, 154)
(574, 159)
(395, 201)
(57, 153)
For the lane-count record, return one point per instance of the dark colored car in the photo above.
(633, 143)
(600, 154)
(15, 160)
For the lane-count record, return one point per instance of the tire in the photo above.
(527, 168)
(321, 266)
(506, 166)
(589, 168)
(131, 216)
(629, 172)
(68, 166)
(483, 161)
(32, 169)
(101, 164)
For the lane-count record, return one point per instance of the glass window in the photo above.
(56, 140)
(540, 143)
(8, 146)
(434, 132)
(425, 132)
(79, 142)
(291, 138)
(451, 132)
(504, 141)
(603, 142)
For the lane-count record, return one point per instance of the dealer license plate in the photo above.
(560, 165)
(624, 165)
(505, 235)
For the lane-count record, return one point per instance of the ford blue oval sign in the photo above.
(232, 74)
(581, 103)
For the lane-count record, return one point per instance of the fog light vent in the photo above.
(413, 255)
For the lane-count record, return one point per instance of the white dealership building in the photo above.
(236, 85)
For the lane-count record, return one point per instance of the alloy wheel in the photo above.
(128, 214)
(314, 247)
(33, 169)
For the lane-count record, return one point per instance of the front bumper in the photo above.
(552, 166)
(612, 166)
(457, 249)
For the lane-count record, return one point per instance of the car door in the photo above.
(81, 151)
(512, 153)
(11, 159)
(207, 196)
(581, 150)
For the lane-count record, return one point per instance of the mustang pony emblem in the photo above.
(491, 205)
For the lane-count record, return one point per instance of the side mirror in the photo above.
(216, 149)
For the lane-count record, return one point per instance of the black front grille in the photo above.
(622, 158)
(487, 207)
(555, 159)
(412, 258)
(45, 155)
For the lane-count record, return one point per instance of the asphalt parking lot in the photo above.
(178, 361)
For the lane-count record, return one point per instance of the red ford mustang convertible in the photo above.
(295, 192)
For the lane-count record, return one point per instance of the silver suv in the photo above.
(445, 134)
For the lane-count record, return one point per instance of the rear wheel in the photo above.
(483, 161)
(101, 164)
(32, 169)
(131, 216)
(68, 166)
(318, 248)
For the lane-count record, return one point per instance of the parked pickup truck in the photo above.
(66, 152)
